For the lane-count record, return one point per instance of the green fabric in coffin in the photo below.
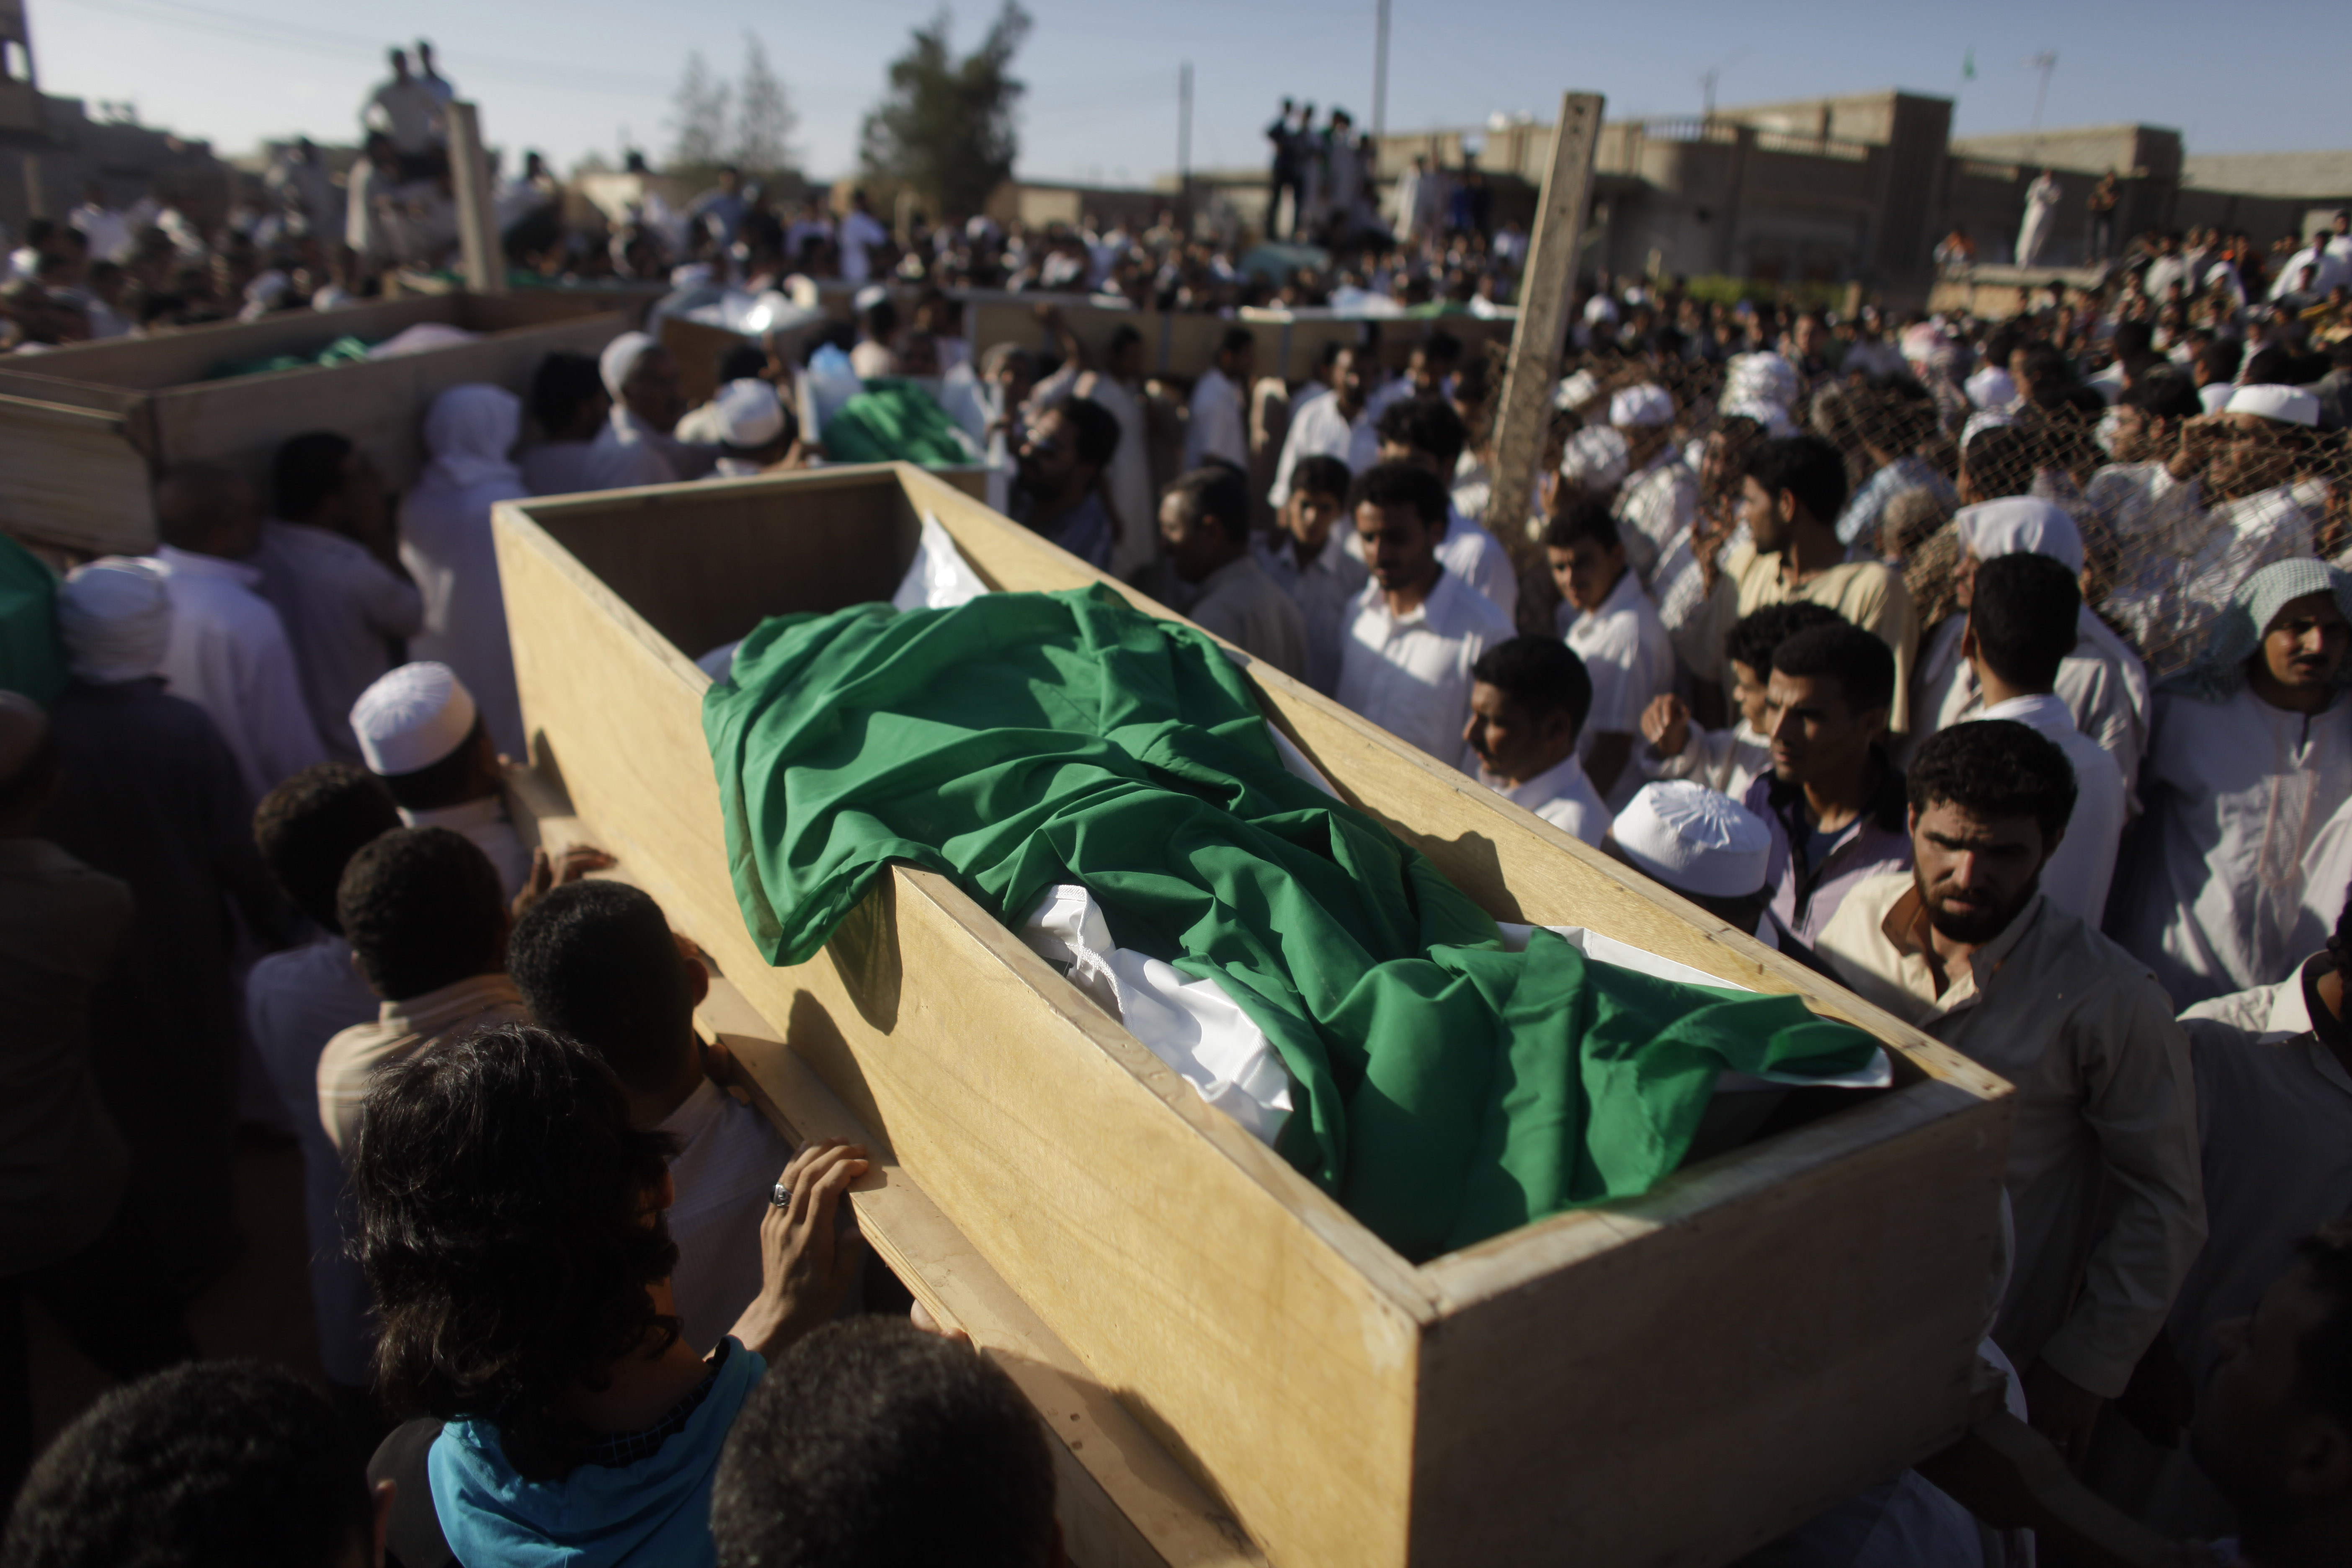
(1445, 1090)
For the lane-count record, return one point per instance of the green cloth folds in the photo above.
(32, 660)
(894, 420)
(342, 351)
(1446, 1090)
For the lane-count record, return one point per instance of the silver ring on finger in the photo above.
(781, 1196)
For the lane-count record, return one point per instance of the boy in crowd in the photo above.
(1729, 760)
(1618, 637)
(1833, 799)
(1529, 703)
(1316, 569)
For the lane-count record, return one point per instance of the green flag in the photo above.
(1969, 67)
(1447, 1089)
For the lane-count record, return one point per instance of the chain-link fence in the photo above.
(2176, 507)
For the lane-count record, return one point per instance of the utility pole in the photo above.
(1380, 75)
(1184, 149)
(2044, 62)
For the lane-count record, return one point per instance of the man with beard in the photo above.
(2103, 1165)
(1059, 490)
(2196, 526)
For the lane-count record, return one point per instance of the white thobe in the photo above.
(2326, 876)
(627, 451)
(2076, 877)
(2236, 792)
(2190, 559)
(1562, 795)
(860, 233)
(559, 468)
(1217, 429)
(2040, 206)
(1325, 591)
(342, 609)
(1470, 552)
(485, 824)
(1410, 674)
(2101, 682)
(1725, 760)
(1631, 659)
(728, 1158)
(229, 655)
(1128, 477)
(1318, 429)
(1655, 509)
(446, 544)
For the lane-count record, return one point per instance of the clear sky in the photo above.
(582, 75)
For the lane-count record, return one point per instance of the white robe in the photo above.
(2236, 793)
(229, 655)
(444, 542)
(2041, 206)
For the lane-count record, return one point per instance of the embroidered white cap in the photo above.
(412, 718)
(1644, 406)
(1694, 839)
(1595, 458)
(2287, 405)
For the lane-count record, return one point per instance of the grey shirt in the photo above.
(1240, 603)
(345, 614)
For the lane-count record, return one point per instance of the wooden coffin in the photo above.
(1669, 1380)
(1184, 344)
(84, 429)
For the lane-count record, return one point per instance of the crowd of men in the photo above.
(1995, 669)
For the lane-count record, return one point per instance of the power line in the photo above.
(321, 40)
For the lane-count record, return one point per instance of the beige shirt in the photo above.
(401, 1030)
(2107, 1117)
(1870, 594)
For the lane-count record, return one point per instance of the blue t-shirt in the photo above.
(655, 1511)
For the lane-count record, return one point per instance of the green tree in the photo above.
(698, 117)
(764, 120)
(946, 128)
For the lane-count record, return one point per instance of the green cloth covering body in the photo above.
(32, 660)
(1445, 1090)
(342, 351)
(894, 420)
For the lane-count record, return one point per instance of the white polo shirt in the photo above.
(1561, 796)
(1629, 656)
(1411, 674)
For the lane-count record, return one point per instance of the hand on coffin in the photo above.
(2062, 1411)
(806, 1262)
(576, 861)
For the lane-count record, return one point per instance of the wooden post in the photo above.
(478, 218)
(1545, 290)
